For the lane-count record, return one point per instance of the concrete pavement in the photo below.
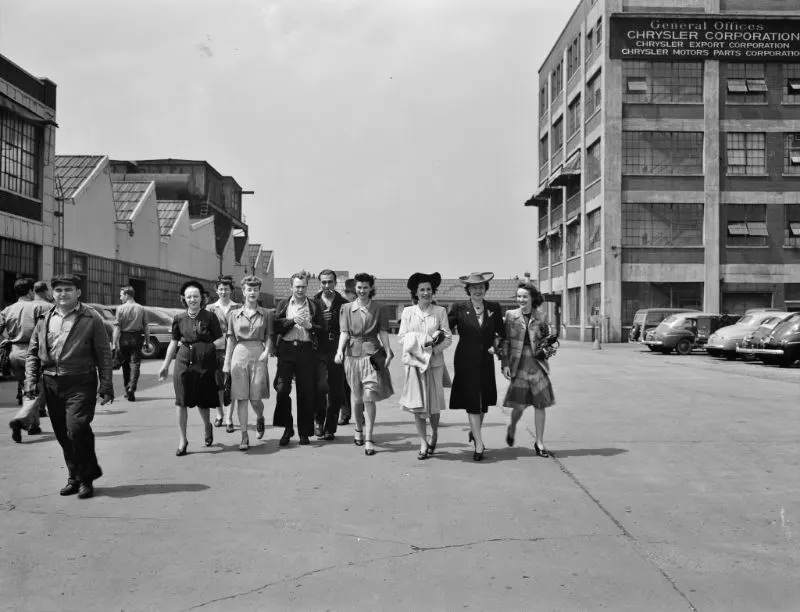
(674, 487)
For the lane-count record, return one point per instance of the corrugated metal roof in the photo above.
(252, 252)
(72, 171)
(169, 211)
(127, 195)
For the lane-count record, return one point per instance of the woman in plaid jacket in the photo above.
(525, 364)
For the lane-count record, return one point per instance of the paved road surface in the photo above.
(675, 487)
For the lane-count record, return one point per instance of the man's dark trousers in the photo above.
(298, 360)
(330, 389)
(71, 401)
(130, 354)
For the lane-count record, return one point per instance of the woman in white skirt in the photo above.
(424, 335)
(248, 348)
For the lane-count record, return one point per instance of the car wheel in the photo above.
(730, 355)
(684, 347)
(655, 349)
(151, 349)
(785, 362)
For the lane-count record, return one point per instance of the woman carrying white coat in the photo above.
(424, 335)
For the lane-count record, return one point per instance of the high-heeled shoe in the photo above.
(423, 454)
(209, 434)
(431, 446)
(369, 451)
(229, 428)
(541, 451)
(478, 456)
(260, 427)
(510, 436)
(245, 443)
(218, 422)
(181, 450)
(358, 440)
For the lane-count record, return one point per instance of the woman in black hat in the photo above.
(194, 379)
(480, 328)
(424, 335)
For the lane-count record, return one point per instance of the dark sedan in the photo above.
(782, 345)
(757, 338)
(687, 331)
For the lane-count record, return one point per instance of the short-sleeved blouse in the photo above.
(222, 315)
(203, 328)
(257, 326)
(363, 326)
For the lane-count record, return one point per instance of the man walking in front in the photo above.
(330, 375)
(130, 334)
(297, 323)
(18, 321)
(69, 351)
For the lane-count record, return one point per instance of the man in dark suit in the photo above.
(298, 322)
(330, 375)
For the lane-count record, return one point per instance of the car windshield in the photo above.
(679, 322)
(671, 320)
(745, 320)
(104, 312)
(158, 317)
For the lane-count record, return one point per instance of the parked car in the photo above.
(687, 331)
(782, 345)
(756, 339)
(108, 318)
(159, 320)
(724, 341)
(649, 318)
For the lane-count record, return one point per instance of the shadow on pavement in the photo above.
(48, 436)
(588, 452)
(137, 490)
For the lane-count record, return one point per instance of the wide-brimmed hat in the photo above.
(415, 279)
(476, 278)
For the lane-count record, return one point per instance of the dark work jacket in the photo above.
(86, 349)
(282, 324)
(329, 335)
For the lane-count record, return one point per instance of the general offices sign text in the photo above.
(704, 37)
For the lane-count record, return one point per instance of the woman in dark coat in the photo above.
(194, 379)
(480, 328)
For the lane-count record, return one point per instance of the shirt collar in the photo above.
(355, 307)
(296, 303)
(76, 309)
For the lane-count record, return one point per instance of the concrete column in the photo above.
(711, 153)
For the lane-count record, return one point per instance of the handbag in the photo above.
(378, 359)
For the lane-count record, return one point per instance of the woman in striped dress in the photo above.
(526, 366)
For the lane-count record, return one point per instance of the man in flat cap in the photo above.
(69, 351)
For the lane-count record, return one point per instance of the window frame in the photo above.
(746, 226)
(661, 225)
(746, 83)
(751, 147)
(662, 153)
(21, 156)
(594, 226)
(591, 177)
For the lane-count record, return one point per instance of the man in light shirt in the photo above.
(297, 322)
(130, 334)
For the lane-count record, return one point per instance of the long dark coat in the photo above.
(474, 386)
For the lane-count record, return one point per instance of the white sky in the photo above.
(378, 136)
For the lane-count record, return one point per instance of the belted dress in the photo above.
(194, 377)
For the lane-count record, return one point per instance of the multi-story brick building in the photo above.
(669, 159)
(27, 160)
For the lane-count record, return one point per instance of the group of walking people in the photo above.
(336, 350)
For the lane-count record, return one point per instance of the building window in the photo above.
(557, 81)
(558, 136)
(659, 295)
(746, 153)
(574, 301)
(746, 84)
(593, 159)
(544, 150)
(598, 32)
(573, 57)
(791, 236)
(20, 155)
(662, 153)
(791, 86)
(791, 153)
(662, 225)
(593, 297)
(543, 101)
(747, 225)
(589, 44)
(543, 225)
(594, 95)
(593, 230)
(543, 261)
(574, 116)
(662, 82)
(574, 238)
(556, 247)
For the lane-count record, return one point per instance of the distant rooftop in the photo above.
(252, 252)
(127, 195)
(72, 171)
(169, 211)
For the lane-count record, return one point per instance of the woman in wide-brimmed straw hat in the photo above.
(424, 335)
(480, 328)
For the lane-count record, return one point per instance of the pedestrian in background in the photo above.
(249, 344)
(69, 351)
(297, 323)
(192, 347)
(479, 323)
(424, 335)
(42, 292)
(525, 365)
(18, 321)
(364, 349)
(330, 375)
(221, 308)
(130, 334)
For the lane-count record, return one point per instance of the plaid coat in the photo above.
(515, 338)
